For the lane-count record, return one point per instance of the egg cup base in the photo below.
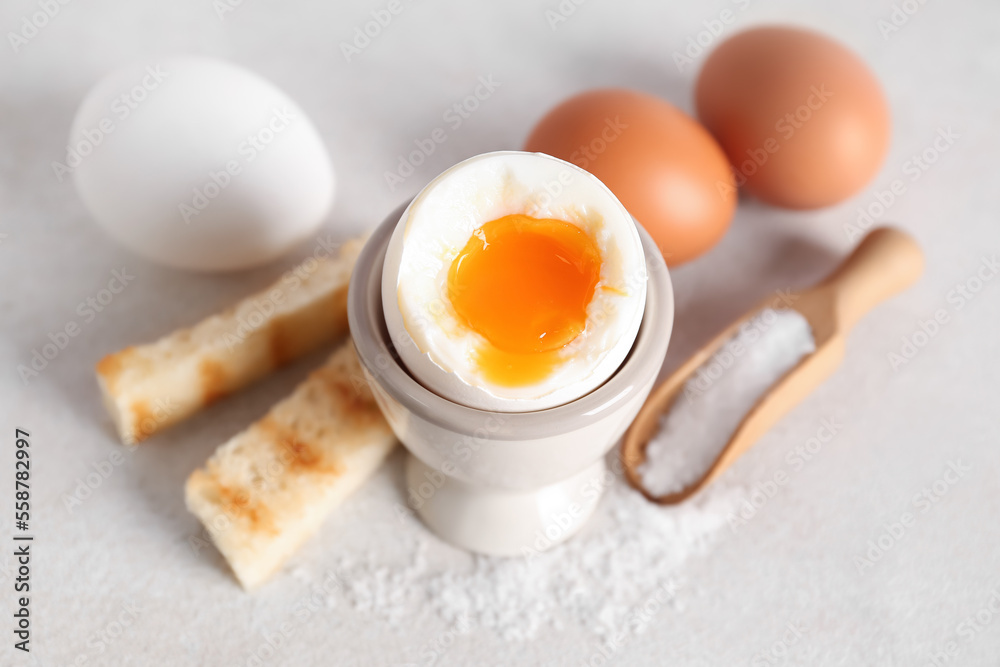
(498, 522)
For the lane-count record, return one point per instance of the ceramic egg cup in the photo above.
(504, 483)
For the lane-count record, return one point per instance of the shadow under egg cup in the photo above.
(504, 483)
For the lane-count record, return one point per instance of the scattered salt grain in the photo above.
(617, 575)
(719, 394)
(384, 591)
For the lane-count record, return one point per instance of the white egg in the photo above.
(199, 164)
(442, 348)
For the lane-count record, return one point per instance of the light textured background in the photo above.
(793, 563)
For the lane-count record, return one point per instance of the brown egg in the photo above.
(803, 120)
(663, 166)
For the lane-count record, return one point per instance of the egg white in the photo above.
(438, 348)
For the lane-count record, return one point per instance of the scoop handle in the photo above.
(886, 262)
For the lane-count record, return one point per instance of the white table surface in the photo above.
(793, 563)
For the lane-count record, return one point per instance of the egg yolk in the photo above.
(524, 285)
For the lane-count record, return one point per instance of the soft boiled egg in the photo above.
(514, 282)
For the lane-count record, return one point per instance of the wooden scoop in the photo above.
(885, 262)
